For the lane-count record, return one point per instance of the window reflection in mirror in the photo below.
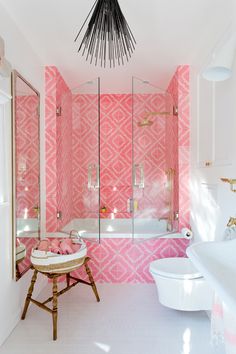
(26, 172)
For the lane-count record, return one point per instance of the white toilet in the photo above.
(180, 285)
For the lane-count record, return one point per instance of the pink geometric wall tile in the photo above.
(124, 261)
(178, 247)
(27, 159)
(58, 150)
(179, 89)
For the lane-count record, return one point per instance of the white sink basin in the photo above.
(217, 263)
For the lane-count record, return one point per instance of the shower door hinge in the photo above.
(176, 215)
(175, 111)
(59, 215)
(59, 111)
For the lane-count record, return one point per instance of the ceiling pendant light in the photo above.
(108, 37)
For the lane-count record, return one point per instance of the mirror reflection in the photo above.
(26, 172)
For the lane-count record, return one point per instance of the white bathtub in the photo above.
(121, 228)
(27, 227)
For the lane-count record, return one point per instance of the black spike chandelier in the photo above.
(108, 37)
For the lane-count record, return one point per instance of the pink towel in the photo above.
(59, 246)
(44, 245)
(66, 246)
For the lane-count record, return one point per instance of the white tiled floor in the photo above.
(128, 320)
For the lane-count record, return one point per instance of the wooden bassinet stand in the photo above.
(54, 275)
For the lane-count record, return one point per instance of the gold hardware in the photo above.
(176, 215)
(146, 122)
(170, 173)
(59, 215)
(208, 163)
(36, 209)
(175, 111)
(59, 111)
(231, 222)
(231, 182)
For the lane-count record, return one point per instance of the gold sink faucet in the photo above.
(231, 222)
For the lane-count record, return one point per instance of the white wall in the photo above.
(213, 138)
(23, 59)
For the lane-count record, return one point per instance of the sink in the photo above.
(217, 263)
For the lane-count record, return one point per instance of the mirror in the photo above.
(26, 172)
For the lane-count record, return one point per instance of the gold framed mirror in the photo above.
(25, 172)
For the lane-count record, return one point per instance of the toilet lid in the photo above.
(178, 268)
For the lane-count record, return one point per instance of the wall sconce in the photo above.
(221, 66)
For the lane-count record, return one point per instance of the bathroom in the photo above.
(128, 157)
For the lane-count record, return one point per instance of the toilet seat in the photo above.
(176, 268)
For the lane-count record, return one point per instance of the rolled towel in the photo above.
(44, 245)
(66, 246)
(55, 242)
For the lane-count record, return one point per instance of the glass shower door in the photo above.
(155, 196)
(82, 138)
(86, 155)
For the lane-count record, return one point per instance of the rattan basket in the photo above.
(49, 262)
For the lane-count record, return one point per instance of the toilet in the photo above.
(180, 285)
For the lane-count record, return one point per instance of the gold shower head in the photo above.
(145, 123)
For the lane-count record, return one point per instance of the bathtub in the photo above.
(121, 228)
(27, 227)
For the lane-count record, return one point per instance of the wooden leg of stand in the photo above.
(29, 295)
(54, 309)
(88, 271)
(68, 279)
(18, 275)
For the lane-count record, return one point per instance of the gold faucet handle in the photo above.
(231, 222)
(36, 209)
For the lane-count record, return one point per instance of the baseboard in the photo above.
(6, 331)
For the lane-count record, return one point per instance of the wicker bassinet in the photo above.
(49, 262)
(20, 253)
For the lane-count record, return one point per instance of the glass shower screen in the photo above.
(155, 162)
(85, 160)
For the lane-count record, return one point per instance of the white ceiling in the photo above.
(168, 33)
